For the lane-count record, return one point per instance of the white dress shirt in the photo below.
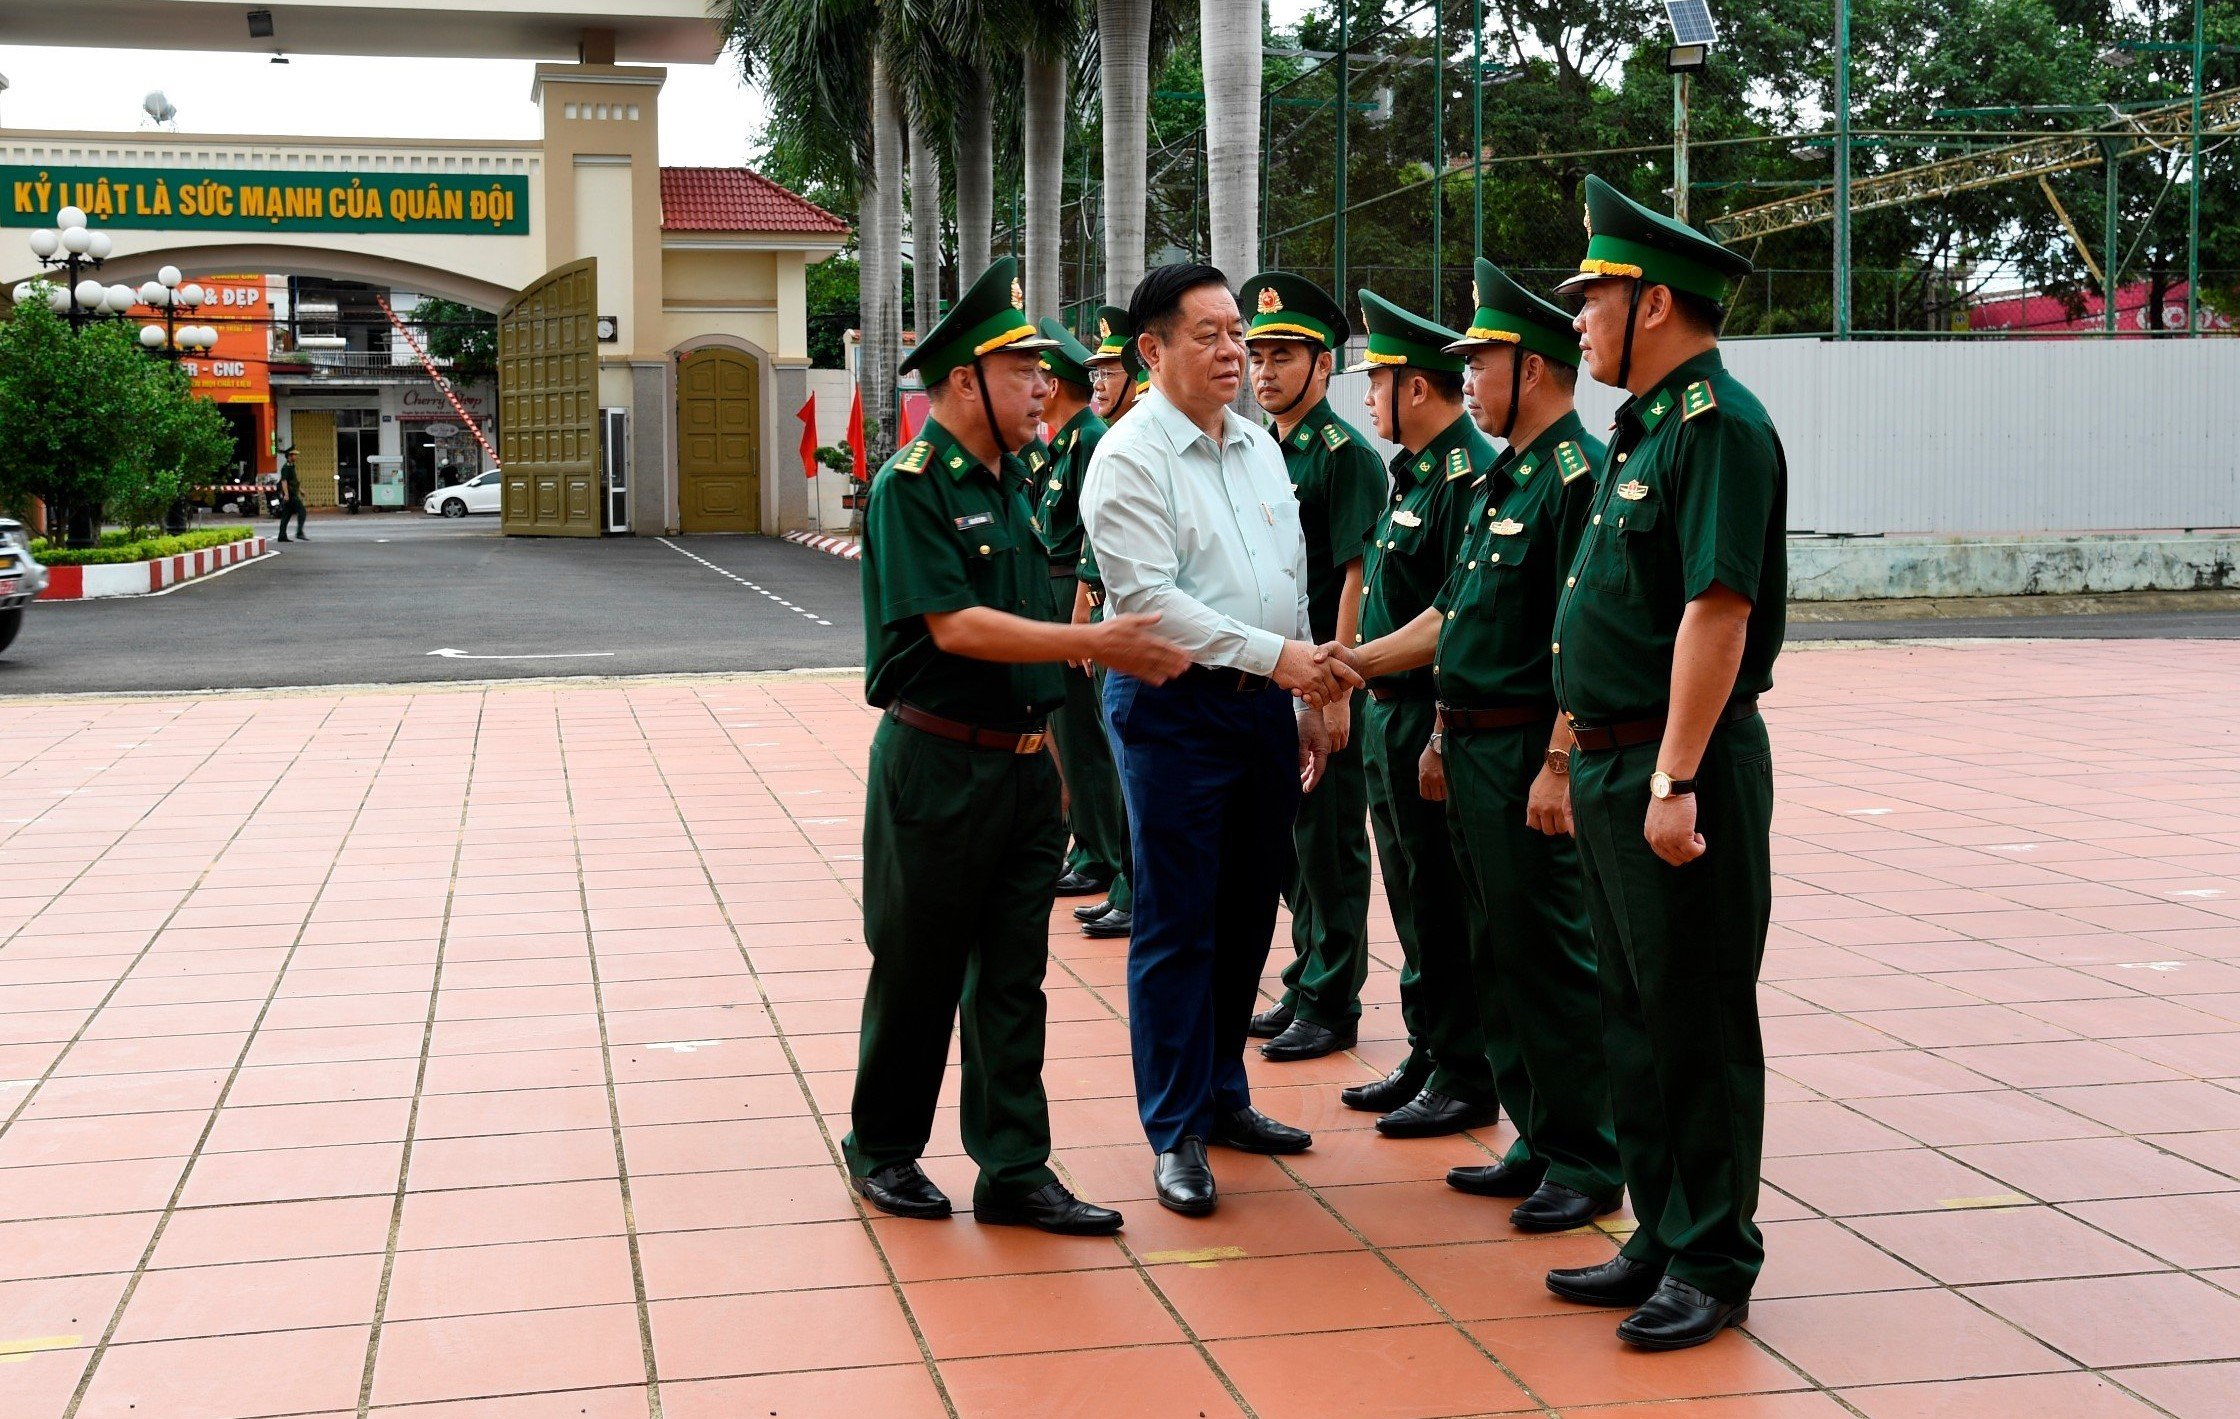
(1204, 533)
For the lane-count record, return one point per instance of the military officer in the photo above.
(1502, 754)
(1116, 370)
(1294, 329)
(961, 824)
(1665, 638)
(1093, 811)
(1445, 1084)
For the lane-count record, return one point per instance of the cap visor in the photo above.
(1364, 366)
(1466, 344)
(1586, 278)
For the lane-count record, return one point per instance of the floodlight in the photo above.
(1687, 58)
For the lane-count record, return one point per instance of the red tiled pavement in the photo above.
(483, 1051)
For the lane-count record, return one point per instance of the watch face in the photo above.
(1660, 784)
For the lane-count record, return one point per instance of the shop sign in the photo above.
(243, 200)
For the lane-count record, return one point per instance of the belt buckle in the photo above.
(1029, 743)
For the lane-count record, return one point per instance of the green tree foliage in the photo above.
(89, 421)
(467, 337)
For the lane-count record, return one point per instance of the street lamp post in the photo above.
(173, 297)
(78, 250)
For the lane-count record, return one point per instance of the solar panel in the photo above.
(1691, 21)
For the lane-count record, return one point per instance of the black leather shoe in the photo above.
(1250, 1131)
(903, 1190)
(1051, 1208)
(1184, 1180)
(1113, 923)
(1270, 1022)
(1387, 1093)
(1431, 1114)
(1080, 884)
(1678, 1316)
(1620, 1281)
(1092, 911)
(1496, 1180)
(1556, 1208)
(1304, 1039)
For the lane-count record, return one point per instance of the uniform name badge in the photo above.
(972, 520)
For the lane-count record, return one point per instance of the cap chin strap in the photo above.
(988, 409)
(1277, 414)
(1516, 390)
(1625, 353)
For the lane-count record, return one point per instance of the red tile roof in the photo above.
(738, 200)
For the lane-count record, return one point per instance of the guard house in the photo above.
(653, 330)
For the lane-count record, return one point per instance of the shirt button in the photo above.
(1497, 559)
(1598, 519)
(1450, 615)
(1557, 648)
(1571, 581)
(1474, 565)
(983, 549)
(1621, 458)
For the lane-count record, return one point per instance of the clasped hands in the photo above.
(1314, 674)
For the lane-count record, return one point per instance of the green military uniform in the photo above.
(1694, 493)
(1341, 487)
(1094, 813)
(961, 842)
(1411, 548)
(1113, 344)
(1532, 959)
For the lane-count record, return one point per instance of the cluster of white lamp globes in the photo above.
(72, 241)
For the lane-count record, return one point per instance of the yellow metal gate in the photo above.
(548, 403)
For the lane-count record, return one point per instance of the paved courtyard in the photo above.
(482, 1051)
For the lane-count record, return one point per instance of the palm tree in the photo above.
(1229, 39)
(975, 171)
(880, 241)
(1124, 54)
(1047, 48)
(925, 226)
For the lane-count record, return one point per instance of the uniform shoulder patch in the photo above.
(915, 458)
(1697, 399)
(1458, 462)
(1335, 438)
(1035, 460)
(1572, 460)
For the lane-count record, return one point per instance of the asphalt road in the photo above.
(368, 598)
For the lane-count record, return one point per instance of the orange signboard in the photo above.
(237, 369)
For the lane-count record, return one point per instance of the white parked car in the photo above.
(478, 494)
(21, 578)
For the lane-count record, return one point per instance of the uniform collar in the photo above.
(1521, 464)
(1072, 427)
(1310, 424)
(948, 453)
(1452, 453)
(1653, 405)
(1180, 432)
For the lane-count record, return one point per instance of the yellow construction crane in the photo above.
(2154, 129)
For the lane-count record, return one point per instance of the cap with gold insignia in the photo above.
(1508, 314)
(1067, 358)
(1398, 338)
(1281, 306)
(988, 317)
(1625, 238)
(1116, 341)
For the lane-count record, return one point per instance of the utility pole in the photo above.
(1680, 147)
(1477, 126)
(2193, 189)
(1345, 113)
(1843, 171)
(2111, 218)
(1438, 153)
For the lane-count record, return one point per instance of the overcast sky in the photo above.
(707, 117)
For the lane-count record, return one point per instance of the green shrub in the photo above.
(119, 547)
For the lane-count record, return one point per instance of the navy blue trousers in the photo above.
(1211, 780)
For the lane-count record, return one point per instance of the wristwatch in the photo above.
(1439, 742)
(1664, 785)
(1559, 762)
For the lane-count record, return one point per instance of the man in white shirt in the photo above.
(1193, 517)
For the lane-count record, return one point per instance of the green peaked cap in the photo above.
(1116, 341)
(1508, 314)
(1067, 358)
(988, 317)
(1399, 338)
(1625, 238)
(1282, 306)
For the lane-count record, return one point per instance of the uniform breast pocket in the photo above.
(989, 554)
(1622, 554)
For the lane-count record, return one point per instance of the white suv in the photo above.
(21, 578)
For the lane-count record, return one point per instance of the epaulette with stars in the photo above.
(1458, 463)
(1697, 400)
(1573, 461)
(1334, 438)
(915, 458)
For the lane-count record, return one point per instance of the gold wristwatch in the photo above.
(1559, 762)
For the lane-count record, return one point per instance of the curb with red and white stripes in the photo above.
(846, 547)
(147, 578)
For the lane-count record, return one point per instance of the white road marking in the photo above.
(2151, 966)
(685, 1046)
(450, 654)
(2201, 892)
(751, 586)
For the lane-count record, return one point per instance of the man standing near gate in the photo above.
(1661, 649)
(962, 834)
(1294, 333)
(1193, 520)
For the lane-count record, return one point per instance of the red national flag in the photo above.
(856, 441)
(809, 438)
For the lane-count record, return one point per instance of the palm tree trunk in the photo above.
(1229, 36)
(882, 264)
(1045, 94)
(976, 204)
(925, 230)
(1124, 44)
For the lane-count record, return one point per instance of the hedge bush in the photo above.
(124, 547)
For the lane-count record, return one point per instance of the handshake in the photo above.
(1321, 675)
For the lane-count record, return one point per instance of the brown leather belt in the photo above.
(1008, 741)
(1599, 738)
(1220, 677)
(1463, 721)
(1062, 569)
(1406, 690)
